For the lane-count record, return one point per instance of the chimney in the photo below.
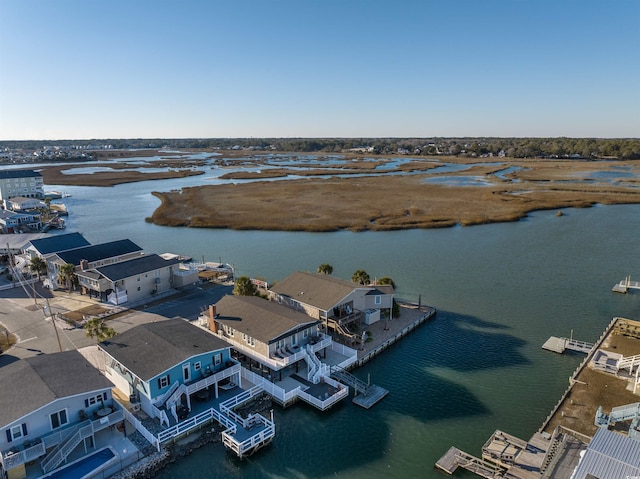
(84, 264)
(213, 326)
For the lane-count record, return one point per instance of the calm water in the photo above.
(501, 291)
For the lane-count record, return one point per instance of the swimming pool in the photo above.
(84, 466)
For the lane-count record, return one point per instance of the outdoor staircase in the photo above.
(66, 447)
(349, 379)
(628, 362)
(314, 365)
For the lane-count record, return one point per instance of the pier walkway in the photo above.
(559, 345)
(625, 285)
(455, 458)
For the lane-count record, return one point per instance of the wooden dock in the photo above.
(455, 458)
(559, 345)
(625, 285)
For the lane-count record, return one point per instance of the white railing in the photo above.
(624, 413)
(325, 343)
(324, 404)
(12, 459)
(161, 414)
(82, 431)
(166, 395)
(214, 378)
(350, 353)
(192, 423)
(628, 362)
(182, 389)
(262, 437)
(313, 364)
(141, 429)
(270, 388)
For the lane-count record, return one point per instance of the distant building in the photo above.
(25, 183)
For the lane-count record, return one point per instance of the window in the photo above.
(217, 358)
(230, 331)
(249, 340)
(163, 382)
(305, 333)
(378, 299)
(58, 419)
(93, 400)
(16, 432)
(197, 366)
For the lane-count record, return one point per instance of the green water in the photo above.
(501, 291)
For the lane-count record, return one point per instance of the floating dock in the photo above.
(625, 285)
(559, 345)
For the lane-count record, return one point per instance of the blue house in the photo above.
(161, 365)
(50, 405)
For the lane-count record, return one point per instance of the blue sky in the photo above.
(73, 69)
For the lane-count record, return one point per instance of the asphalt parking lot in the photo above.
(29, 320)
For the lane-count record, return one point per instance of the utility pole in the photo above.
(48, 310)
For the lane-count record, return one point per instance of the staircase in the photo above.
(628, 362)
(314, 365)
(345, 377)
(66, 447)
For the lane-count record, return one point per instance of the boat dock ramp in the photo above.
(625, 285)
(503, 455)
(559, 345)
(366, 394)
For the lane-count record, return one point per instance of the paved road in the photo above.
(36, 334)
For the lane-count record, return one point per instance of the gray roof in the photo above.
(99, 251)
(57, 243)
(32, 383)
(610, 454)
(20, 240)
(263, 320)
(19, 174)
(319, 290)
(152, 348)
(132, 267)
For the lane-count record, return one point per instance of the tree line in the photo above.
(562, 147)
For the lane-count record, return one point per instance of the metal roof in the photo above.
(132, 267)
(57, 243)
(99, 251)
(610, 455)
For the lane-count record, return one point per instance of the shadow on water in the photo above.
(419, 393)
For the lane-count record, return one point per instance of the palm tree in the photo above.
(325, 268)
(244, 287)
(361, 277)
(386, 280)
(66, 274)
(38, 265)
(95, 328)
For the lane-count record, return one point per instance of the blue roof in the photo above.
(99, 251)
(19, 174)
(57, 243)
(610, 454)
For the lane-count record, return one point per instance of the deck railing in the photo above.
(324, 404)
(11, 459)
(153, 440)
(273, 390)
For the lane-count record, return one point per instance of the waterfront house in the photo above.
(133, 280)
(14, 222)
(336, 302)
(183, 377)
(90, 257)
(153, 363)
(52, 244)
(49, 406)
(284, 346)
(20, 203)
